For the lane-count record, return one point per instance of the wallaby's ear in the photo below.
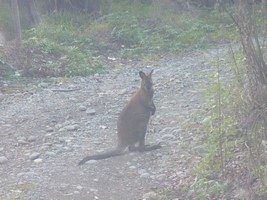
(150, 74)
(142, 75)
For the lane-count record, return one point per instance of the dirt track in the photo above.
(46, 132)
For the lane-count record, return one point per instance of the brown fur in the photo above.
(132, 122)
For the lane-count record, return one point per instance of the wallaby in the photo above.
(132, 122)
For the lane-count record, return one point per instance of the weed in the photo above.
(7, 72)
(17, 191)
(73, 44)
(61, 40)
(207, 189)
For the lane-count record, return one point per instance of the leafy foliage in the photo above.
(59, 37)
(72, 43)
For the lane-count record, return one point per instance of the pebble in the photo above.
(91, 161)
(38, 160)
(103, 127)
(91, 111)
(43, 85)
(82, 108)
(93, 190)
(150, 196)
(3, 160)
(166, 130)
(31, 139)
(72, 127)
(49, 129)
(22, 142)
(34, 155)
(58, 126)
(168, 136)
(145, 175)
(50, 153)
(123, 91)
(79, 187)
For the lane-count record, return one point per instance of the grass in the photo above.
(59, 37)
(6, 72)
(73, 44)
(147, 35)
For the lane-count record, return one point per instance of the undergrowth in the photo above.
(70, 44)
(217, 125)
(142, 36)
(59, 38)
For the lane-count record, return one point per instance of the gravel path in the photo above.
(46, 132)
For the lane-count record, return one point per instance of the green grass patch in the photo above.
(59, 38)
(7, 72)
(74, 44)
(140, 36)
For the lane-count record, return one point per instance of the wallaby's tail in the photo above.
(115, 152)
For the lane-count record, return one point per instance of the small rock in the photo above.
(91, 161)
(50, 153)
(160, 177)
(91, 111)
(34, 155)
(62, 130)
(132, 167)
(62, 139)
(31, 138)
(165, 130)
(141, 171)
(63, 186)
(58, 126)
(145, 175)
(3, 160)
(103, 127)
(198, 149)
(150, 196)
(43, 85)
(22, 142)
(82, 108)
(79, 187)
(38, 160)
(30, 174)
(123, 91)
(72, 127)
(93, 190)
(1, 149)
(20, 174)
(49, 129)
(168, 136)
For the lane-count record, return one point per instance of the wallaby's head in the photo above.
(146, 83)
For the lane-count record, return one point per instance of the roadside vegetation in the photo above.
(75, 44)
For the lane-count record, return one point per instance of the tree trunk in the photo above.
(16, 19)
(33, 13)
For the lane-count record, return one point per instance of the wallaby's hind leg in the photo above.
(146, 148)
(133, 148)
(152, 147)
(142, 147)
